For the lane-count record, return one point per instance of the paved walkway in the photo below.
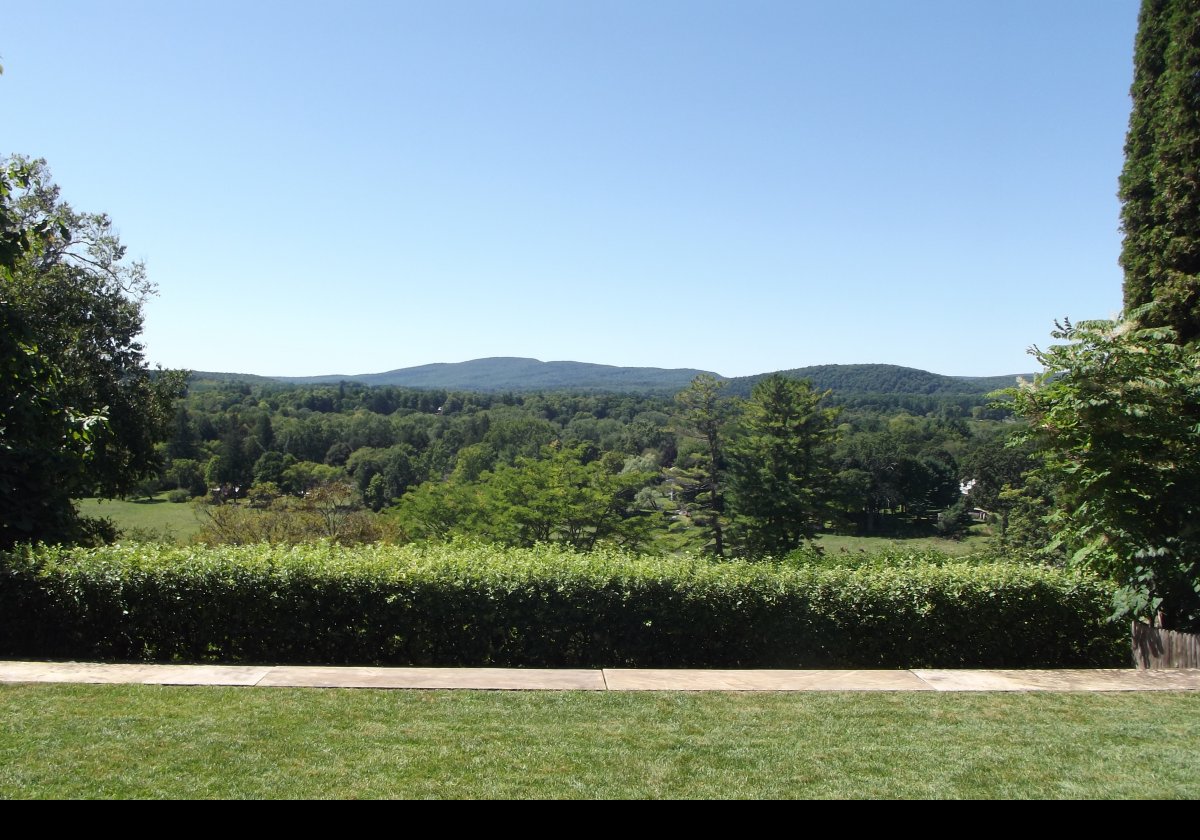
(607, 679)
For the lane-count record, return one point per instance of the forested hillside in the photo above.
(878, 379)
(516, 374)
(524, 375)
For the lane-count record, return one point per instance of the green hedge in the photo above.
(475, 605)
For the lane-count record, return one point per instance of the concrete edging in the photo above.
(607, 679)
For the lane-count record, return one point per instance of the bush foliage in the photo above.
(1116, 416)
(467, 604)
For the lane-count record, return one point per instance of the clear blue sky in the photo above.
(735, 186)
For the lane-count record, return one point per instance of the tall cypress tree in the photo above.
(1160, 184)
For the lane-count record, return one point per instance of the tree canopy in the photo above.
(1159, 189)
(1117, 415)
(702, 417)
(781, 465)
(568, 495)
(80, 411)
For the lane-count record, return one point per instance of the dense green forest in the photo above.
(634, 469)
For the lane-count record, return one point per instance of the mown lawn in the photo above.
(977, 539)
(153, 518)
(164, 742)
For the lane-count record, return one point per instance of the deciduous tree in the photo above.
(565, 496)
(80, 412)
(1117, 415)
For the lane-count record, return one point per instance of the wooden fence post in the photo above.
(1155, 648)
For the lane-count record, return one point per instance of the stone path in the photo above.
(607, 679)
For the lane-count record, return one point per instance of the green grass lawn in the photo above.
(161, 742)
(976, 540)
(154, 518)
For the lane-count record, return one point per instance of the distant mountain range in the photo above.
(517, 374)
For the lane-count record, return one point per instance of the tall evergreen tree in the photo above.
(1160, 184)
(781, 465)
(702, 415)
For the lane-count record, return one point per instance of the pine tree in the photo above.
(1160, 184)
(702, 415)
(780, 469)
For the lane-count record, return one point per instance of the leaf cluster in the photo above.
(1116, 416)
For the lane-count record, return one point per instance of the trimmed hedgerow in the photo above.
(475, 605)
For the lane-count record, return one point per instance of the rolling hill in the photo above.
(520, 374)
(517, 374)
(880, 379)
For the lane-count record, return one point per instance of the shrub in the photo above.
(472, 605)
(326, 512)
(954, 521)
(1116, 413)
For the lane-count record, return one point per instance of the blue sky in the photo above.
(734, 186)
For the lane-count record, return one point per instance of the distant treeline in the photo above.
(530, 375)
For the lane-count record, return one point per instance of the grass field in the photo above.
(163, 742)
(154, 518)
(976, 540)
